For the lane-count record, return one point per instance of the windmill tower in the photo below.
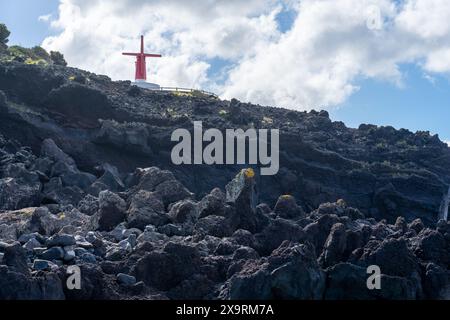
(141, 67)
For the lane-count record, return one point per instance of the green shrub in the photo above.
(4, 34)
(58, 58)
(40, 53)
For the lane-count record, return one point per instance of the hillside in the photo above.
(86, 178)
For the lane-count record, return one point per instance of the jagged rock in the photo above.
(196, 287)
(225, 247)
(217, 226)
(245, 253)
(287, 208)
(264, 209)
(88, 205)
(167, 268)
(126, 279)
(430, 245)
(55, 192)
(7, 232)
(54, 253)
(340, 209)
(26, 237)
(416, 225)
(162, 183)
(212, 204)
(401, 225)
(111, 211)
(171, 230)
(14, 223)
(318, 231)
(50, 150)
(111, 178)
(184, 211)
(335, 246)
(172, 191)
(78, 179)
(16, 194)
(151, 235)
(241, 193)
(393, 257)
(95, 285)
(146, 208)
(79, 103)
(346, 281)
(129, 136)
(275, 233)
(18, 286)
(291, 272)
(15, 257)
(116, 253)
(244, 238)
(97, 187)
(436, 282)
(43, 165)
(46, 223)
(88, 258)
(148, 178)
(321, 161)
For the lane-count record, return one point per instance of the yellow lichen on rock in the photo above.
(249, 173)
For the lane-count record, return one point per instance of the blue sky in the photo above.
(421, 103)
(21, 17)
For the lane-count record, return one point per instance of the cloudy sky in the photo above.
(366, 61)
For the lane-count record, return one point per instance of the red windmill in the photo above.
(141, 68)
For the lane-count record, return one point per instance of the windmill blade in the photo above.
(149, 55)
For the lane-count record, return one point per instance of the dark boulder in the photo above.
(436, 282)
(184, 211)
(275, 233)
(15, 257)
(291, 272)
(17, 194)
(430, 245)
(212, 204)
(169, 267)
(50, 150)
(346, 281)
(19, 286)
(146, 208)
(241, 193)
(111, 211)
(287, 208)
(335, 246)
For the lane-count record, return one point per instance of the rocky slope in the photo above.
(86, 179)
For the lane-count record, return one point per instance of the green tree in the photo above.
(4, 34)
(58, 58)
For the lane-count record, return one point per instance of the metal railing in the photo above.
(187, 90)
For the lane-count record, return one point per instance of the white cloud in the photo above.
(94, 33)
(45, 18)
(331, 44)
